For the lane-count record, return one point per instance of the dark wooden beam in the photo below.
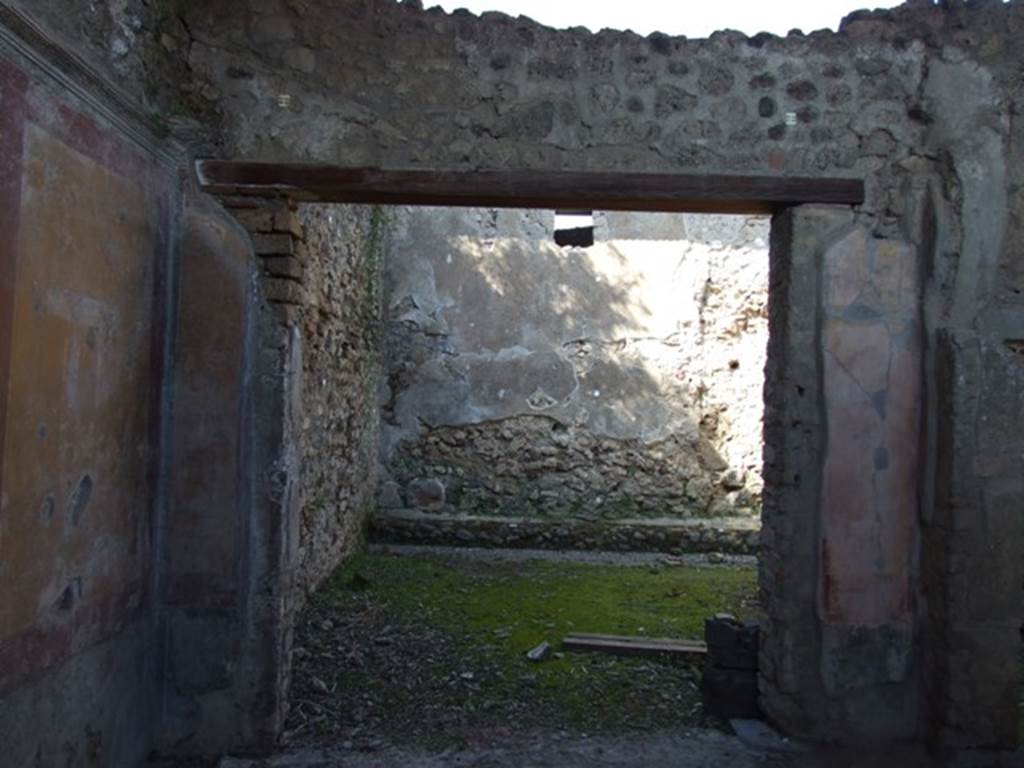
(527, 189)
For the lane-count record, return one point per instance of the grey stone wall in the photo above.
(275, 412)
(921, 102)
(386, 83)
(138, 47)
(621, 380)
(340, 321)
(321, 276)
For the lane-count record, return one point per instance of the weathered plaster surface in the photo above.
(276, 428)
(79, 371)
(206, 536)
(794, 434)
(872, 381)
(976, 572)
(85, 253)
(872, 390)
(617, 380)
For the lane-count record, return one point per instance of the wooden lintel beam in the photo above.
(527, 189)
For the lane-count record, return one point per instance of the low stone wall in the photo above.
(617, 381)
(722, 536)
(538, 466)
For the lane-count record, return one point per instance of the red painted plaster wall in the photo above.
(84, 215)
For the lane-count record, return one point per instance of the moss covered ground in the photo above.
(433, 649)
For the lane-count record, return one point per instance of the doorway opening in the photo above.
(793, 313)
(569, 445)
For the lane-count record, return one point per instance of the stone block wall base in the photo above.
(717, 536)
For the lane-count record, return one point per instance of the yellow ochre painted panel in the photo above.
(79, 390)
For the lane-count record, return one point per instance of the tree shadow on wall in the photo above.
(488, 319)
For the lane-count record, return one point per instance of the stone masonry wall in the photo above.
(921, 102)
(617, 381)
(321, 273)
(377, 82)
(339, 432)
(275, 428)
(137, 47)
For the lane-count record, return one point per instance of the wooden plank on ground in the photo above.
(695, 193)
(622, 645)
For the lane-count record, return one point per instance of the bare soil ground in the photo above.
(418, 661)
(430, 651)
(544, 749)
